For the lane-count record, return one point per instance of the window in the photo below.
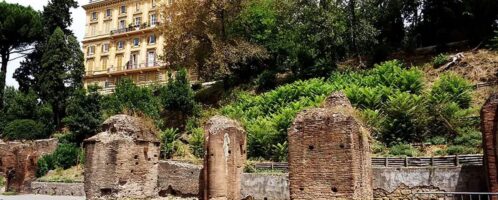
(123, 9)
(91, 50)
(136, 42)
(93, 30)
(120, 45)
(105, 48)
(94, 16)
(138, 21)
(89, 65)
(137, 7)
(120, 62)
(104, 63)
(133, 61)
(151, 58)
(152, 39)
(108, 13)
(107, 27)
(153, 20)
(122, 24)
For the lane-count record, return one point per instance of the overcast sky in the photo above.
(78, 28)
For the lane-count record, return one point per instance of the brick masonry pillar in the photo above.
(489, 124)
(225, 155)
(329, 153)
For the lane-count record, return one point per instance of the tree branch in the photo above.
(22, 51)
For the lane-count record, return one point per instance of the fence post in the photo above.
(406, 161)
(457, 161)
(387, 162)
(432, 160)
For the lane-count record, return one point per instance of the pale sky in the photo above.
(78, 28)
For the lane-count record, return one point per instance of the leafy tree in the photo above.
(61, 72)
(197, 37)
(178, 95)
(128, 97)
(26, 106)
(24, 129)
(57, 13)
(177, 100)
(19, 27)
(83, 114)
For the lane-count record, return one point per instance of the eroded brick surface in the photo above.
(122, 161)
(489, 125)
(224, 159)
(329, 153)
(18, 162)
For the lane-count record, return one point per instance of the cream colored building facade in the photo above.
(122, 39)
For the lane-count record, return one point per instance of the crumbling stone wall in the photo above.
(225, 147)
(178, 179)
(489, 125)
(122, 161)
(329, 153)
(18, 162)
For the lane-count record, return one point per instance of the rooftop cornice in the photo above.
(101, 3)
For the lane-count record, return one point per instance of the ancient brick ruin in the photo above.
(18, 162)
(329, 153)
(489, 129)
(122, 161)
(225, 155)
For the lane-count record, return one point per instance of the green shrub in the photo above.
(2, 181)
(177, 94)
(266, 80)
(451, 88)
(469, 137)
(438, 140)
(392, 74)
(196, 142)
(459, 149)
(403, 150)
(168, 138)
(45, 164)
(440, 60)
(66, 155)
(24, 129)
(406, 119)
(280, 151)
(128, 97)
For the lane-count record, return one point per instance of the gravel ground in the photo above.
(39, 197)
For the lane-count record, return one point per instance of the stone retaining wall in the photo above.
(59, 189)
(181, 179)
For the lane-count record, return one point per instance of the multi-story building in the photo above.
(123, 40)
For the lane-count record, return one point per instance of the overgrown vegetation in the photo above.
(395, 101)
(65, 156)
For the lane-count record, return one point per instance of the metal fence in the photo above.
(455, 196)
(457, 160)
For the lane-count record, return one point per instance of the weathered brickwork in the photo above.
(489, 125)
(404, 192)
(18, 162)
(225, 147)
(178, 179)
(329, 153)
(122, 161)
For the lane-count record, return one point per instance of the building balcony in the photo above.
(125, 70)
(133, 28)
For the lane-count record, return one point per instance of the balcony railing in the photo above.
(134, 28)
(126, 68)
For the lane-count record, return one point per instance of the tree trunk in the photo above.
(3, 74)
